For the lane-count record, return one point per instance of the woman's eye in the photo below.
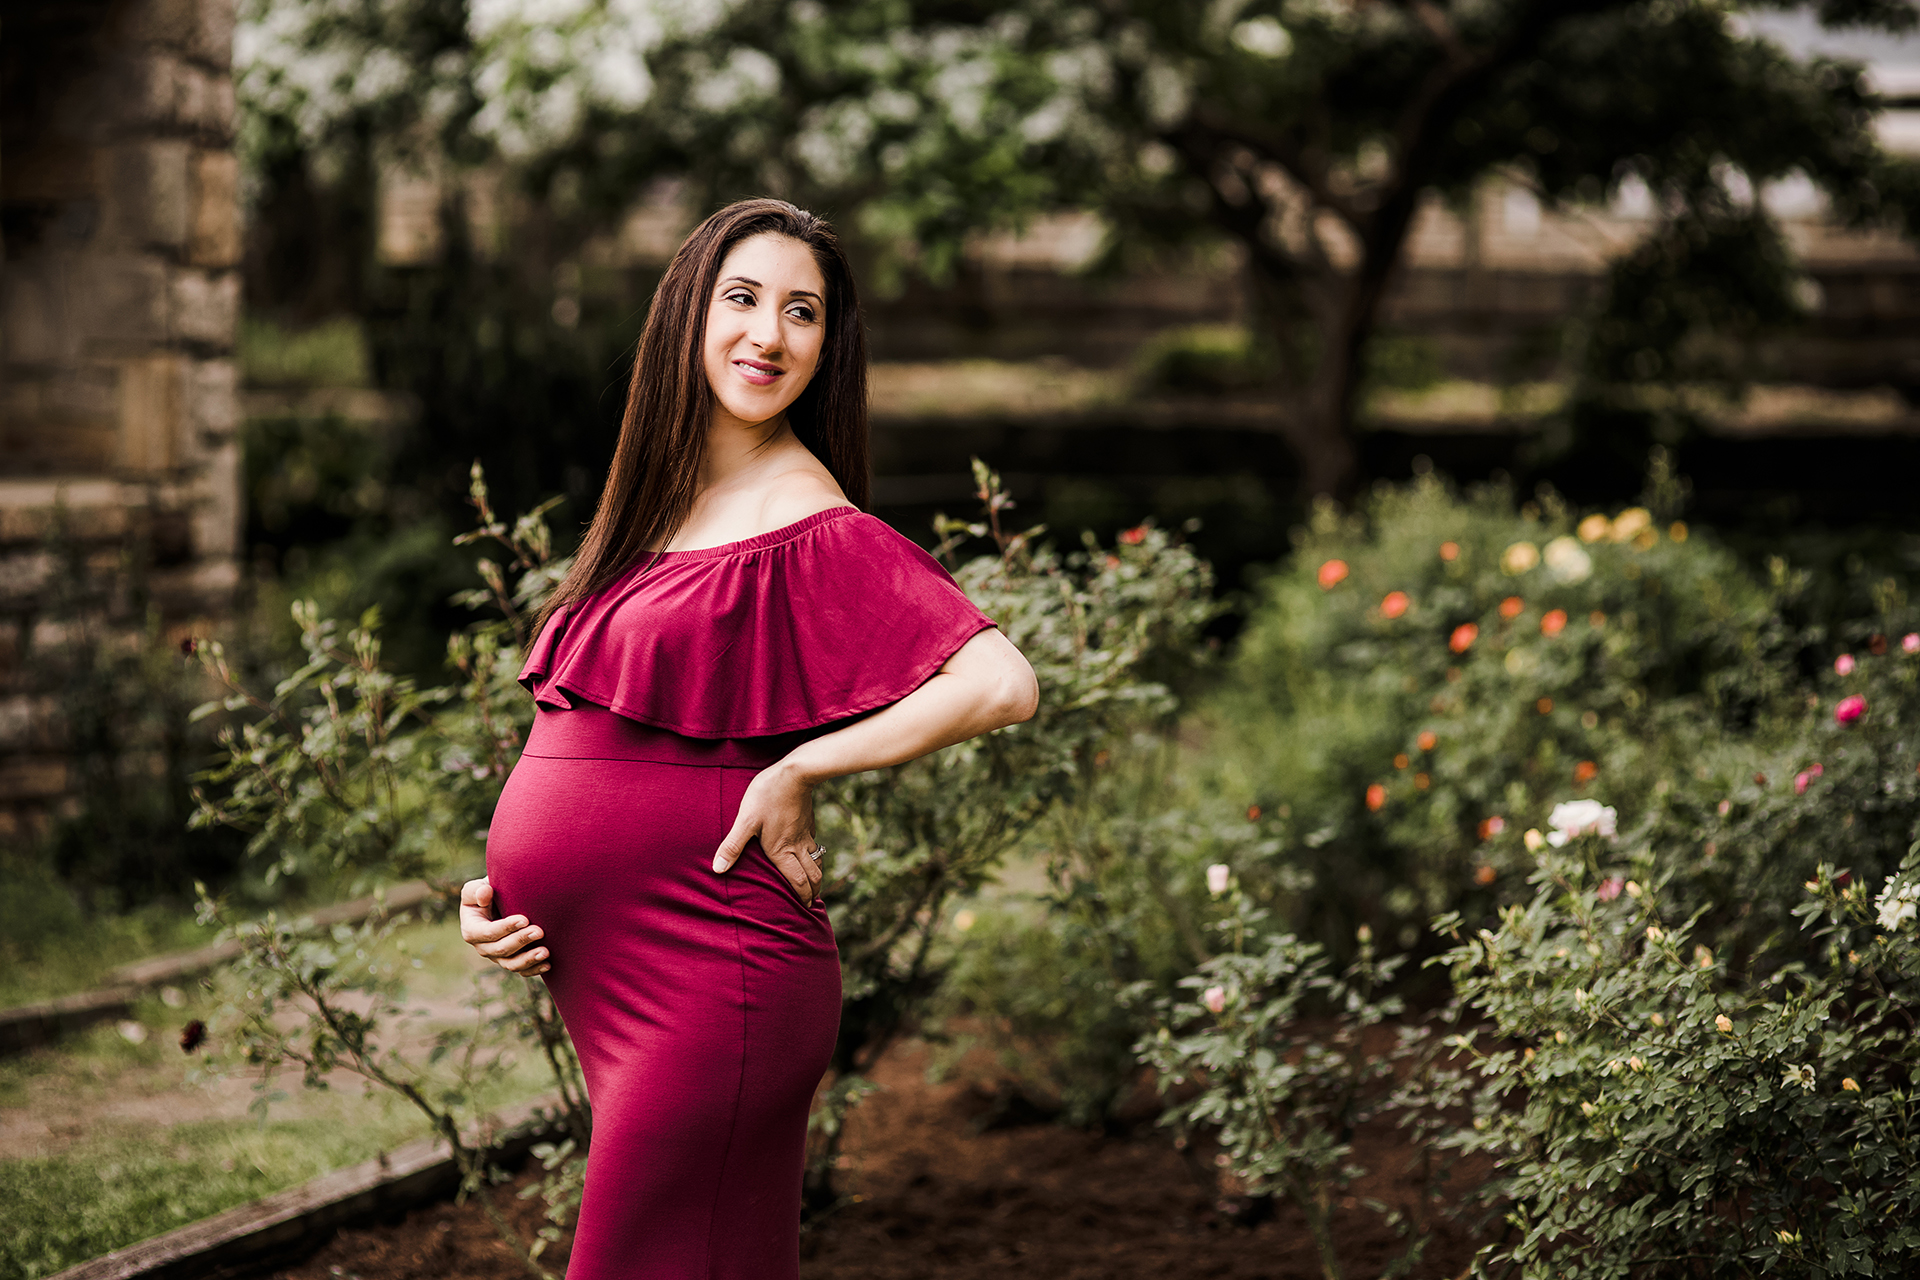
(802, 314)
(741, 297)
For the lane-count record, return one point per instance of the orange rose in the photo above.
(1395, 604)
(1332, 574)
(1376, 797)
(1584, 772)
(1553, 622)
(1511, 607)
(1463, 637)
(1427, 740)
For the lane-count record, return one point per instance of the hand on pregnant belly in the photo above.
(778, 808)
(508, 943)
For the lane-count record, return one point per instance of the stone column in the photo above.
(119, 299)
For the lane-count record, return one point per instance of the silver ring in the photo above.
(816, 854)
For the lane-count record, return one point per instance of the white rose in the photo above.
(1579, 818)
(1897, 905)
(1217, 877)
(1567, 561)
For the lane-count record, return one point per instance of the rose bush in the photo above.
(1405, 722)
(1655, 1110)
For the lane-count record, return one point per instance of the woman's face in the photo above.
(766, 324)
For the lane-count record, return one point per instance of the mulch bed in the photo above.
(940, 1199)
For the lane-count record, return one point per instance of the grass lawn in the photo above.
(79, 958)
(105, 1141)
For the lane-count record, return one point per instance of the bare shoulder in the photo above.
(799, 493)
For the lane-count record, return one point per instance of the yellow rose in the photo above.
(1519, 557)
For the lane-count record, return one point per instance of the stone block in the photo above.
(35, 320)
(32, 778)
(148, 192)
(29, 721)
(206, 588)
(200, 29)
(52, 636)
(16, 722)
(213, 400)
(213, 32)
(222, 108)
(214, 237)
(32, 510)
(82, 391)
(218, 517)
(142, 89)
(120, 299)
(205, 307)
(24, 575)
(152, 412)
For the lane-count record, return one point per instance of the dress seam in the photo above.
(740, 1085)
(675, 764)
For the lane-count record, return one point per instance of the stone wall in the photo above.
(119, 294)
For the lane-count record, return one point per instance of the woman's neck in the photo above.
(738, 452)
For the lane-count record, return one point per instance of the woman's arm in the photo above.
(987, 685)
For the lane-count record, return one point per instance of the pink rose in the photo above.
(1911, 642)
(1850, 708)
(1610, 888)
(1816, 768)
(1843, 665)
(1215, 998)
(1800, 782)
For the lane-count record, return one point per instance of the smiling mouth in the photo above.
(756, 369)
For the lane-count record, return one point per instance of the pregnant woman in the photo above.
(734, 631)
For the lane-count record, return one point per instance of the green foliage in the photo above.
(1286, 1060)
(1442, 667)
(1107, 632)
(1702, 746)
(1202, 358)
(330, 354)
(1059, 983)
(1655, 1112)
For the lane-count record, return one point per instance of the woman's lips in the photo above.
(760, 375)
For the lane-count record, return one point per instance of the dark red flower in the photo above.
(192, 1036)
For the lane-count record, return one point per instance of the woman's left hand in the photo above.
(778, 807)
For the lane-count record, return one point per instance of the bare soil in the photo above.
(936, 1197)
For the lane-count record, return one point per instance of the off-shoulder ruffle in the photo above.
(825, 619)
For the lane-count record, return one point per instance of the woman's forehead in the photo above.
(774, 261)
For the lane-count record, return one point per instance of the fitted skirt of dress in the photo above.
(703, 1006)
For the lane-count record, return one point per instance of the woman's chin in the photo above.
(756, 411)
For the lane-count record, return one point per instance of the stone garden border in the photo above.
(291, 1225)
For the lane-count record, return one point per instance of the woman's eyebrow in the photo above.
(792, 293)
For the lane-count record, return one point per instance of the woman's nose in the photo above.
(764, 328)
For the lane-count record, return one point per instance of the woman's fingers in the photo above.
(527, 963)
(512, 944)
(736, 842)
(509, 942)
(800, 871)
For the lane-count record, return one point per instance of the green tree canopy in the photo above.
(1307, 132)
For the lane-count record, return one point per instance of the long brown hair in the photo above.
(663, 437)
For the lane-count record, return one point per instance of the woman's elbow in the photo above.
(1019, 694)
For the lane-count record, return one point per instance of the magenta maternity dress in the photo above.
(703, 1006)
